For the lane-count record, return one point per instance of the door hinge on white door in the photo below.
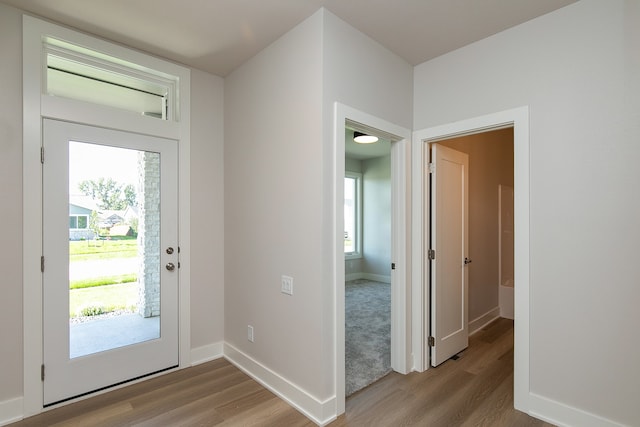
(42, 372)
(432, 254)
(42, 263)
(432, 167)
(42, 155)
(432, 342)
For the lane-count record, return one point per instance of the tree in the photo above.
(129, 195)
(108, 194)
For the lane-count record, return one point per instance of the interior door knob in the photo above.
(170, 266)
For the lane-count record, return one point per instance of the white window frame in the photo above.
(38, 105)
(358, 216)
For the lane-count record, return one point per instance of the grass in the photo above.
(107, 294)
(86, 250)
(111, 297)
(103, 281)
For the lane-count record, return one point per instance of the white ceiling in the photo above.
(219, 35)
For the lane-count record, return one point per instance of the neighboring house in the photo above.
(80, 208)
(79, 217)
(109, 218)
(116, 221)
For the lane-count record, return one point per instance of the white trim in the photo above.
(318, 411)
(519, 119)
(560, 414)
(368, 276)
(481, 321)
(207, 353)
(401, 218)
(11, 411)
(36, 106)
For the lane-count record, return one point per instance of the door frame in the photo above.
(518, 118)
(36, 106)
(400, 246)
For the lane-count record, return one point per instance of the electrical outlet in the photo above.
(250, 333)
(287, 285)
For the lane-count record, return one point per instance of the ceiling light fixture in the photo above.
(363, 138)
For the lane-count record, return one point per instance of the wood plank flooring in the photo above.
(475, 390)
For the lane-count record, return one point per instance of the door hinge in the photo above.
(42, 264)
(42, 155)
(432, 254)
(432, 342)
(393, 265)
(42, 372)
(432, 167)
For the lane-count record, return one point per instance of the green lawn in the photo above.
(109, 297)
(84, 250)
(107, 293)
(102, 281)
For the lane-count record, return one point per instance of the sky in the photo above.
(92, 161)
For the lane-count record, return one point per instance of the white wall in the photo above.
(207, 210)
(577, 69)
(279, 187)
(11, 196)
(376, 221)
(273, 209)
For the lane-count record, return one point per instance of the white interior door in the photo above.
(87, 240)
(449, 240)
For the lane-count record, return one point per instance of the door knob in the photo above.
(467, 261)
(170, 266)
(169, 250)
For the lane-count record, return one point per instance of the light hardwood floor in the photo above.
(475, 390)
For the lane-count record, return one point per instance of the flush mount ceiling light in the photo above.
(363, 138)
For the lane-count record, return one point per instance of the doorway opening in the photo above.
(518, 119)
(348, 120)
(468, 257)
(368, 260)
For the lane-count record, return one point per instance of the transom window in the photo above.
(77, 73)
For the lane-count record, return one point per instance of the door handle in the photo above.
(467, 261)
(170, 266)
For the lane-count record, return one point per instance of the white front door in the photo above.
(110, 246)
(449, 240)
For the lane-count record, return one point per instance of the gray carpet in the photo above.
(367, 333)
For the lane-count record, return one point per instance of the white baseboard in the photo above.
(505, 300)
(11, 411)
(368, 276)
(352, 276)
(320, 412)
(480, 322)
(562, 415)
(207, 353)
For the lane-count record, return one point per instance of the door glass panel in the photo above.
(114, 247)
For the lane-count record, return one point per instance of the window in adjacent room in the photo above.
(352, 215)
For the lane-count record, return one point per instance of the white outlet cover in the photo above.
(287, 285)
